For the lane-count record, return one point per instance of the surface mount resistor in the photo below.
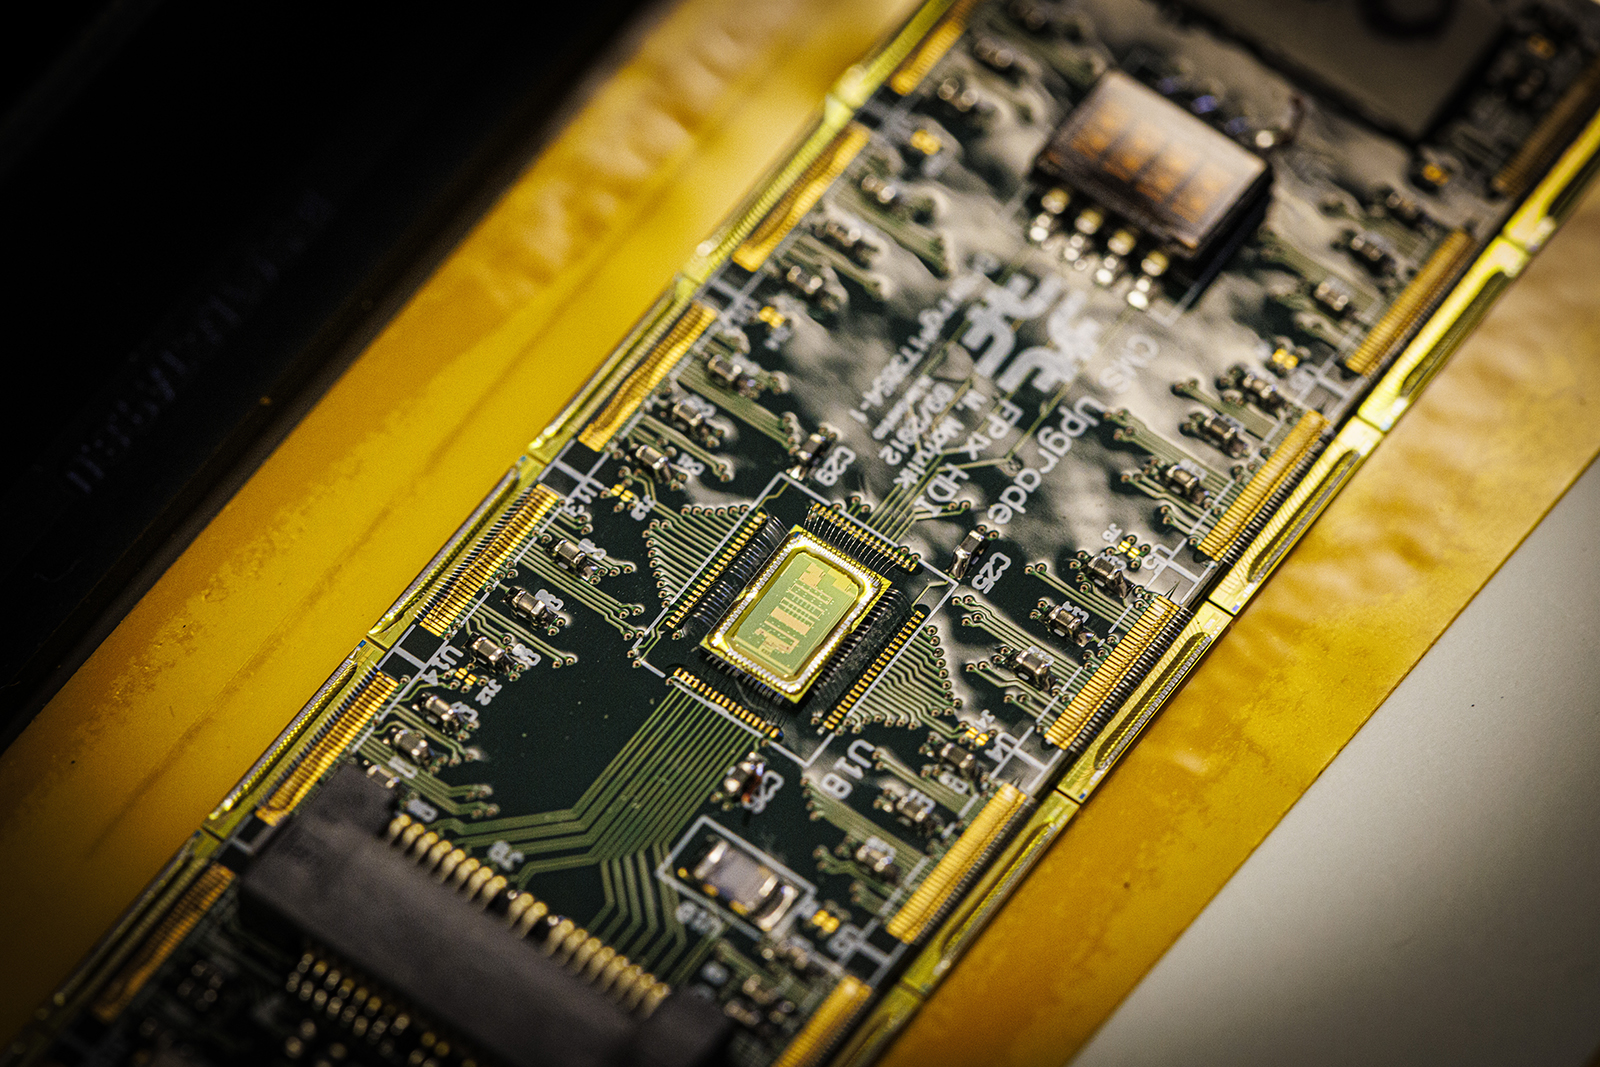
(575, 559)
(967, 551)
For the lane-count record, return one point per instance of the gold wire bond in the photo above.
(1575, 106)
(1098, 689)
(520, 521)
(647, 375)
(737, 710)
(340, 733)
(1254, 496)
(932, 49)
(969, 852)
(800, 198)
(746, 530)
(1413, 302)
(188, 911)
(868, 676)
(826, 1025)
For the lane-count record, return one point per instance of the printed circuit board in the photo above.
(718, 730)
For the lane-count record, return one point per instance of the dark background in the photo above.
(206, 209)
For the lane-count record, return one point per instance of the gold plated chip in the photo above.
(792, 617)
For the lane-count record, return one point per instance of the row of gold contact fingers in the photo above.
(855, 532)
(836, 715)
(1418, 298)
(1576, 106)
(173, 928)
(573, 947)
(521, 520)
(961, 863)
(331, 742)
(648, 374)
(1259, 491)
(932, 48)
(801, 197)
(827, 1025)
(1102, 686)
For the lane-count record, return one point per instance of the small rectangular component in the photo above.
(1147, 159)
(791, 618)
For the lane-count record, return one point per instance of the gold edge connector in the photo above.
(520, 521)
(1559, 123)
(964, 859)
(1443, 333)
(188, 911)
(1296, 445)
(737, 710)
(334, 739)
(933, 48)
(793, 205)
(1316, 490)
(1147, 698)
(584, 955)
(647, 375)
(1418, 297)
(827, 1024)
(1113, 670)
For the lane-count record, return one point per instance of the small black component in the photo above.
(453, 717)
(490, 653)
(1371, 251)
(998, 57)
(849, 239)
(1167, 172)
(1033, 666)
(540, 608)
(1069, 622)
(1333, 295)
(742, 780)
(1399, 206)
(732, 375)
(914, 809)
(960, 100)
(327, 877)
(967, 551)
(411, 744)
(961, 761)
(1240, 386)
(1183, 480)
(575, 560)
(810, 452)
(879, 860)
(1109, 572)
(655, 463)
(1219, 430)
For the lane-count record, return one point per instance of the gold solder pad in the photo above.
(786, 624)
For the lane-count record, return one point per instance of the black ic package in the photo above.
(1183, 183)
